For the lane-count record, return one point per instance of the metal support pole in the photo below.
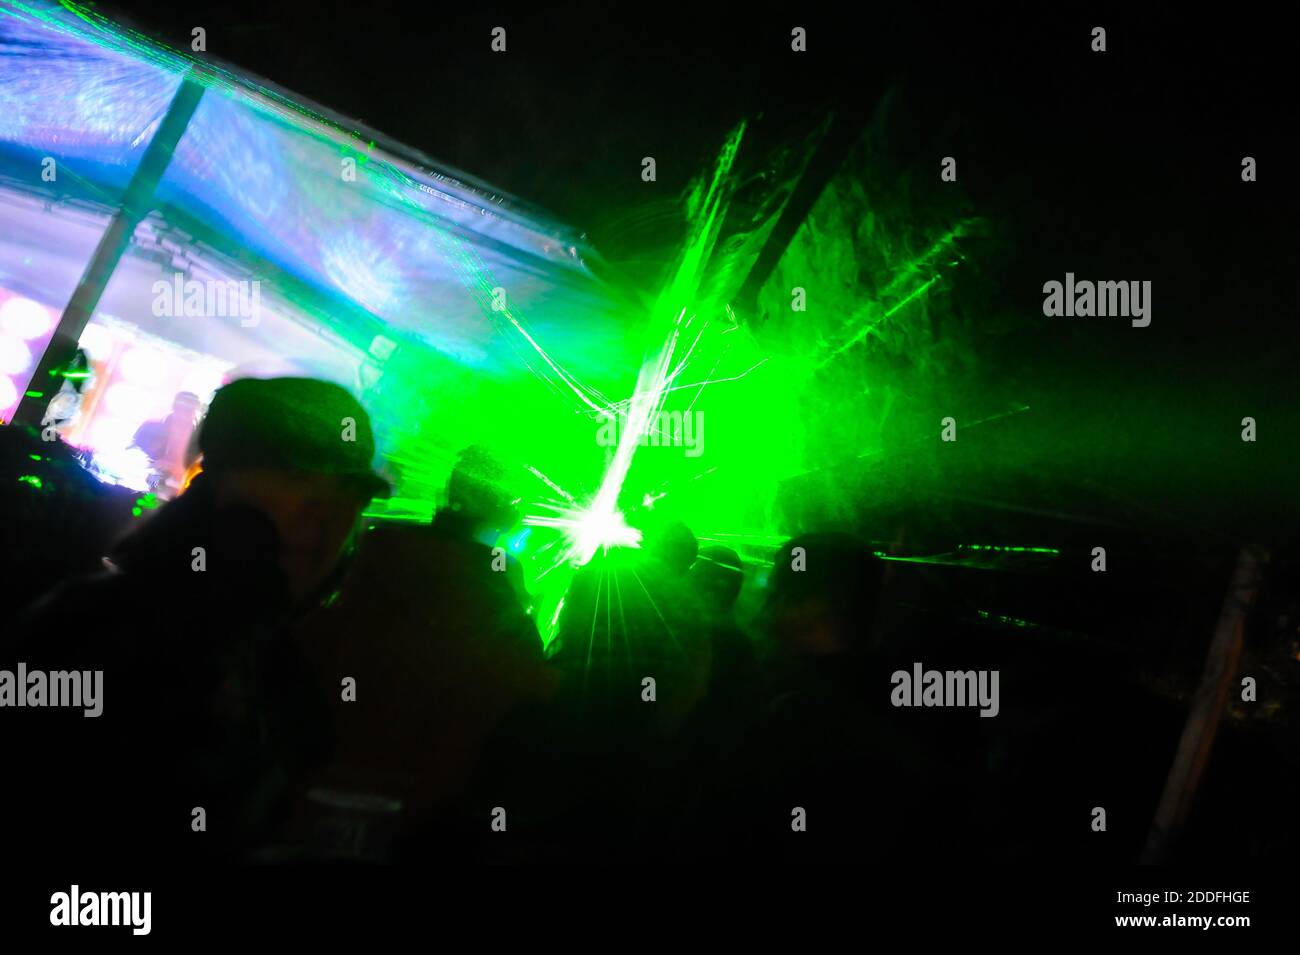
(845, 129)
(137, 202)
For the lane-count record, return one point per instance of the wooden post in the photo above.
(1217, 681)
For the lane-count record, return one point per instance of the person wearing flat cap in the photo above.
(206, 702)
(299, 451)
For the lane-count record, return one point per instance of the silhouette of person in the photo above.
(827, 742)
(432, 625)
(208, 709)
(718, 576)
(168, 441)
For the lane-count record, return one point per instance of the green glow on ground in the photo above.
(1009, 550)
(1008, 621)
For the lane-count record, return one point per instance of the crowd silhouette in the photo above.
(284, 683)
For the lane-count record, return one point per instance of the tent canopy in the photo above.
(364, 234)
